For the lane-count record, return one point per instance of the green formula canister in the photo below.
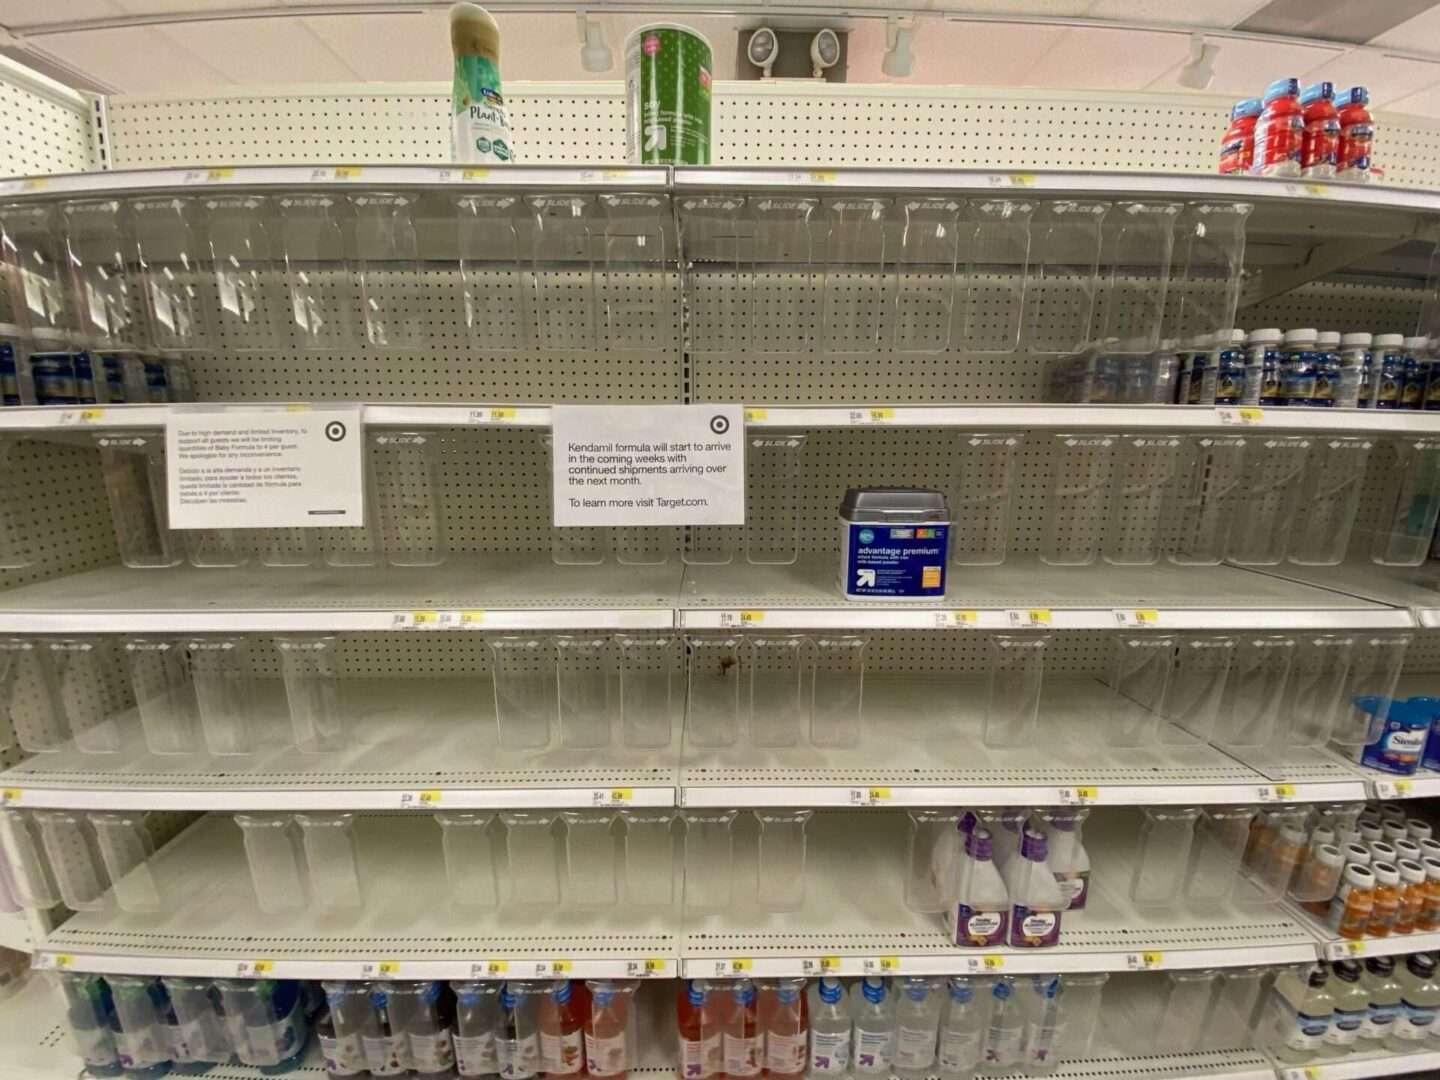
(667, 92)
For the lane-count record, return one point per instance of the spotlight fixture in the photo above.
(824, 51)
(898, 61)
(762, 49)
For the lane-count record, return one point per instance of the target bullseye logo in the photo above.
(719, 424)
(335, 431)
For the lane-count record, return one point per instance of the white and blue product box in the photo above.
(894, 543)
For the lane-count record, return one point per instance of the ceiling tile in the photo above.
(260, 52)
(1333, 20)
(1420, 34)
(1244, 68)
(1133, 58)
(1421, 103)
(413, 47)
(110, 56)
(1216, 14)
(958, 52)
(1387, 77)
(15, 13)
(175, 7)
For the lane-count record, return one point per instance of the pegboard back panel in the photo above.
(44, 127)
(755, 124)
(1339, 305)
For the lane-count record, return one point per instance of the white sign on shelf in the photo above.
(258, 467)
(648, 465)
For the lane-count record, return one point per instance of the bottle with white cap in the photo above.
(1229, 368)
(1297, 371)
(1262, 367)
(1356, 387)
(1327, 369)
(1417, 372)
(1389, 367)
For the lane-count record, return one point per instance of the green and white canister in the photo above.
(667, 91)
(480, 127)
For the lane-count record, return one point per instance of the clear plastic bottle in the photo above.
(698, 1015)
(477, 1028)
(1004, 1045)
(742, 1045)
(1355, 389)
(872, 1012)
(89, 1010)
(419, 1010)
(1068, 860)
(917, 1025)
(1389, 365)
(138, 1017)
(962, 1028)
(1280, 131)
(1036, 901)
(1385, 912)
(982, 903)
(609, 1029)
(1382, 996)
(1041, 1002)
(784, 1026)
(519, 1047)
(1301, 1009)
(1419, 1000)
(1413, 889)
(1351, 1009)
(561, 1020)
(1430, 914)
(830, 1025)
(342, 1059)
(1354, 902)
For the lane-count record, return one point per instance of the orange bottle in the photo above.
(561, 1020)
(1413, 888)
(697, 1017)
(1257, 847)
(1353, 903)
(1386, 909)
(1430, 912)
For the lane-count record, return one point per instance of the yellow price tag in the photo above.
(754, 415)
(347, 172)
(880, 415)
(1284, 791)
(1146, 616)
(430, 798)
(503, 412)
(992, 963)
(471, 618)
(879, 794)
(1022, 179)
(1087, 793)
(9, 795)
(823, 176)
(889, 963)
(829, 963)
(1151, 959)
(89, 416)
(35, 183)
(63, 960)
(1252, 415)
(223, 173)
(497, 967)
(750, 618)
(424, 618)
(389, 969)
(263, 967)
(560, 967)
(966, 618)
(740, 965)
(474, 174)
(1316, 189)
(298, 406)
(654, 965)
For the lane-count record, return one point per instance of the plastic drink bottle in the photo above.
(741, 1046)
(1036, 902)
(1351, 1007)
(1040, 1002)
(1357, 132)
(477, 1027)
(1412, 895)
(608, 1022)
(1004, 1042)
(199, 1035)
(1068, 860)
(784, 1026)
(917, 1025)
(1279, 131)
(138, 1018)
(340, 1060)
(982, 903)
(417, 1011)
(1357, 380)
(562, 1029)
(1429, 918)
(1385, 912)
(872, 1013)
(1419, 1000)
(698, 1018)
(1353, 903)
(267, 1023)
(829, 1029)
(1320, 144)
(89, 1010)
(962, 1028)
(1301, 1010)
(1327, 372)
(519, 1046)
(1237, 145)
(1382, 994)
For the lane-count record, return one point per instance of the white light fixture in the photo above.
(898, 61)
(1199, 72)
(595, 55)
(762, 49)
(824, 52)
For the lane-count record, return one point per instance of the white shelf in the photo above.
(216, 928)
(427, 743)
(1413, 588)
(496, 592)
(135, 181)
(923, 746)
(854, 921)
(1363, 1066)
(14, 931)
(805, 596)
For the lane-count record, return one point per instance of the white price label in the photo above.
(741, 618)
(1277, 792)
(871, 796)
(642, 969)
(738, 965)
(820, 965)
(1144, 961)
(983, 964)
(876, 415)
(496, 415)
(1245, 415)
(52, 961)
(880, 965)
(1078, 796)
(1394, 789)
(1344, 950)
(962, 619)
(420, 800)
(615, 796)
(1029, 617)
(254, 969)
(1137, 618)
(552, 969)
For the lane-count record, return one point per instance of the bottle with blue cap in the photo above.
(741, 1047)
(1004, 1043)
(872, 1049)
(1041, 1001)
(418, 1013)
(477, 1027)
(829, 1029)
(962, 1028)
(781, 1007)
(519, 1046)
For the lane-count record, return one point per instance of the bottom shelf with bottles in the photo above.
(1129, 1026)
